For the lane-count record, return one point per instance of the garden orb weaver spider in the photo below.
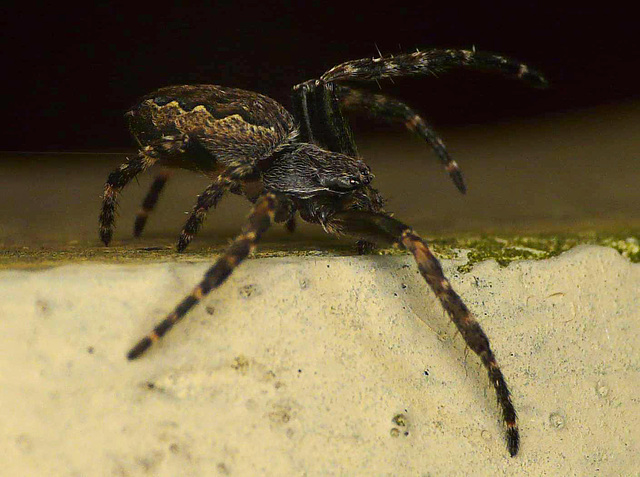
(303, 163)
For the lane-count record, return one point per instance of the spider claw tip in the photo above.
(513, 441)
(139, 348)
(458, 180)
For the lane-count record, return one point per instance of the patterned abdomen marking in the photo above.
(226, 124)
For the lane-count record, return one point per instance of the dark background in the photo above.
(71, 72)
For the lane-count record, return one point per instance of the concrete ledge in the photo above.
(320, 366)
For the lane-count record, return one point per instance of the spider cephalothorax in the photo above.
(306, 163)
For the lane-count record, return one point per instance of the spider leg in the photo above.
(316, 104)
(115, 183)
(329, 119)
(300, 100)
(431, 62)
(381, 227)
(381, 106)
(150, 201)
(118, 179)
(258, 222)
(290, 224)
(209, 198)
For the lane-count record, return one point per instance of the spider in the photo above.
(303, 163)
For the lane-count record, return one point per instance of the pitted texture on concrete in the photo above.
(320, 366)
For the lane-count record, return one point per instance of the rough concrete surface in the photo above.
(320, 366)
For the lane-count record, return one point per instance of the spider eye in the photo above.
(354, 182)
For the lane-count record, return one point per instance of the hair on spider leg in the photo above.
(391, 109)
(150, 200)
(301, 163)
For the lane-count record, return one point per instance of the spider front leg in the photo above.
(150, 201)
(259, 221)
(316, 106)
(383, 228)
(431, 62)
(390, 109)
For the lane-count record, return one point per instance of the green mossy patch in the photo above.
(503, 248)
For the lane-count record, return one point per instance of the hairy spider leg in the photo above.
(391, 109)
(258, 222)
(209, 198)
(150, 201)
(119, 178)
(431, 62)
(115, 183)
(328, 118)
(315, 105)
(300, 105)
(469, 328)
(384, 228)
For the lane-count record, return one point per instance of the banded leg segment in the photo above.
(150, 201)
(387, 229)
(259, 221)
(115, 183)
(468, 327)
(147, 156)
(432, 62)
(209, 198)
(390, 109)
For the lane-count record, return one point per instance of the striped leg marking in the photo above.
(432, 62)
(209, 198)
(382, 228)
(468, 327)
(150, 201)
(115, 183)
(384, 107)
(259, 221)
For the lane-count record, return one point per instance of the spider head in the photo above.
(307, 170)
(344, 175)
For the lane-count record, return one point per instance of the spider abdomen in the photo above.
(208, 127)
